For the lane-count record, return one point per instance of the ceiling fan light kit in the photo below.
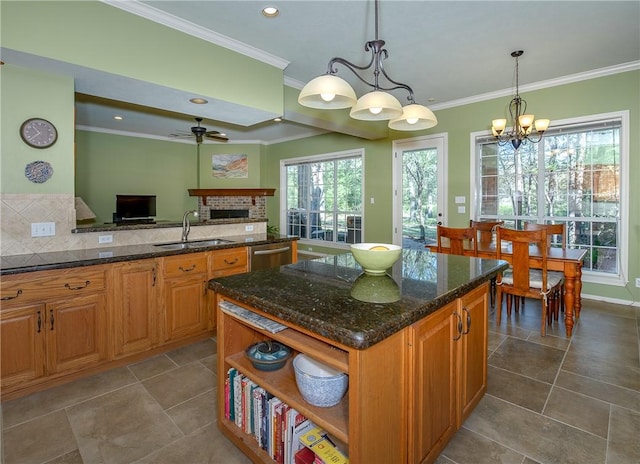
(331, 92)
(523, 126)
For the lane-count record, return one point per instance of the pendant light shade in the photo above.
(327, 92)
(414, 117)
(376, 106)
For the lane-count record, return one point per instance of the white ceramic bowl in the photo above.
(319, 385)
(376, 258)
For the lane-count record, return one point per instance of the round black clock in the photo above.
(38, 133)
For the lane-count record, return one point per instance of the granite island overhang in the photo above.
(317, 294)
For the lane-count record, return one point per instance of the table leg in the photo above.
(578, 291)
(569, 298)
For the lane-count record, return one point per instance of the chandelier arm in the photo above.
(398, 85)
(351, 67)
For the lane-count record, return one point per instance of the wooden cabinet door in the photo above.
(76, 333)
(432, 384)
(135, 309)
(186, 311)
(473, 351)
(21, 344)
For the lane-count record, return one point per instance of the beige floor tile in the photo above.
(39, 440)
(179, 385)
(603, 369)
(193, 352)
(73, 457)
(623, 397)
(517, 389)
(52, 399)
(484, 450)
(152, 367)
(121, 426)
(195, 413)
(624, 441)
(578, 410)
(538, 437)
(207, 445)
(526, 358)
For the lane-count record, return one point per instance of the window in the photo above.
(575, 175)
(322, 197)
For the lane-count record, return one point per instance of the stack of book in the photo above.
(278, 429)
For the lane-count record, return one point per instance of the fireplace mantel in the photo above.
(245, 192)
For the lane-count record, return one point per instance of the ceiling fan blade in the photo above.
(216, 136)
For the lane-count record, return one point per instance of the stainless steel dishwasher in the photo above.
(269, 255)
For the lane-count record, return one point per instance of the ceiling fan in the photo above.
(201, 133)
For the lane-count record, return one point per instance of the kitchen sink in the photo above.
(192, 244)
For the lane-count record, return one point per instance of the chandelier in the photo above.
(332, 92)
(523, 126)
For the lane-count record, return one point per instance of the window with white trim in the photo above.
(322, 197)
(576, 175)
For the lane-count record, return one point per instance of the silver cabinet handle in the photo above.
(271, 252)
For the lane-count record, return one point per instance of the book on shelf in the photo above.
(251, 318)
(231, 374)
(317, 440)
(237, 399)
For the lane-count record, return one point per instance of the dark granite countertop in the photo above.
(17, 264)
(319, 295)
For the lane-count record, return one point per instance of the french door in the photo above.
(419, 189)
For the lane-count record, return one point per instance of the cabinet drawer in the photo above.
(234, 258)
(195, 263)
(50, 285)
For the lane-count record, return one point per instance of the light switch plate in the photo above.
(460, 200)
(43, 229)
(462, 209)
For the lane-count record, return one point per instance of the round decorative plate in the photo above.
(38, 171)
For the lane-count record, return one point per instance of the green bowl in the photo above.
(376, 258)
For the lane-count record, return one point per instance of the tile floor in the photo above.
(549, 400)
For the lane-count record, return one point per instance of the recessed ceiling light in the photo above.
(118, 118)
(198, 101)
(277, 119)
(270, 11)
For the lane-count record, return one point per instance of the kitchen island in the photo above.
(414, 344)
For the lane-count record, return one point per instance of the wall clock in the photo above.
(38, 133)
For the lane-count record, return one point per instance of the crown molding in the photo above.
(572, 78)
(166, 19)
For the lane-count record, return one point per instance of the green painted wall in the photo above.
(107, 165)
(26, 94)
(602, 95)
(84, 33)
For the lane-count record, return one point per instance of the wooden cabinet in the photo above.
(52, 324)
(449, 372)
(135, 307)
(229, 261)
(407, 396)
(186, 312)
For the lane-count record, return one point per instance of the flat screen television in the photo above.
(132, 207)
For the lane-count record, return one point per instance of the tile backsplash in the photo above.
(19, 211)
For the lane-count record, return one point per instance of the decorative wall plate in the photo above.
(38, 171)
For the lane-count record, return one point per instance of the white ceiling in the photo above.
(449, 52)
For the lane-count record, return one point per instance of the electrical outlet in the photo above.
(105, 238)
(638, 282)
(43, 229)
(248, 228)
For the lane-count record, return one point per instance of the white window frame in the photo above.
(354, 153)
(620, 279)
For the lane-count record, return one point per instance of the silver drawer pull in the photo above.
(18, 293)
(79, 287)
(271, 252)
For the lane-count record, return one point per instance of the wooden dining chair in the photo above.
(557, 231)
(485, 231)
(523, 281)
(462, 240)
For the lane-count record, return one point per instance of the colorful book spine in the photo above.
(316, 440)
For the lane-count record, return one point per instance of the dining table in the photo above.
(565, 260)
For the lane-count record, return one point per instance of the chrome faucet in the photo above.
(186, 225)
